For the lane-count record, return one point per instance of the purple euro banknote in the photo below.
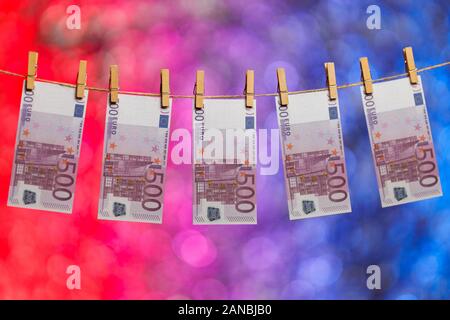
(313, 156)
(47, 148)
(402, 146)
(134, 159)
(224, 170)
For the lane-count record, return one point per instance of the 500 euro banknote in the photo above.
(134, 159)
(313, 156)
(47, 148)
(402, 146)
(224, 170)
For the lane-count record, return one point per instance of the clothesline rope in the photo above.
(180, 96)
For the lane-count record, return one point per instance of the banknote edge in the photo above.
(383, 205)
(303, 217)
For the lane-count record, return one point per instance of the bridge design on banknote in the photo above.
(306, 172)
(396, 160)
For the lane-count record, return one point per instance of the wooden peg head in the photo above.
(199, 90)
(81, 80)
(249, 89)
(410, 65)
(165, 88)
(331, 80)
(114, 84)
(365, 75)
(282, 87)
(32, 70)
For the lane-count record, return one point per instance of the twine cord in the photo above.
(238, 96)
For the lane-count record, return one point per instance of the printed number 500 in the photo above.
(64, 180)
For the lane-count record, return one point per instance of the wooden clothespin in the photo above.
(331, 80)
(365, 75)
(32, 70)
(165, 88)
(81, 80)
(249, 88)
(199, 89)
(114, 84)
(282, 87)
(410, 65)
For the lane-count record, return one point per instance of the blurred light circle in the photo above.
(426, 270)
(321, 271)
(443, 144)
(178, 297)
(154, 244)
(56, 267)
(194, 248)
(209, 289)
(311, 234)
(441, 226)
(298, 289)
(270, 75)
(351, 163)
(260, 253)
(406, 296)
(96, 257)
(248, 287)
(169, 276)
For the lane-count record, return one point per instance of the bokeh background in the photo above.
(276, 259)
